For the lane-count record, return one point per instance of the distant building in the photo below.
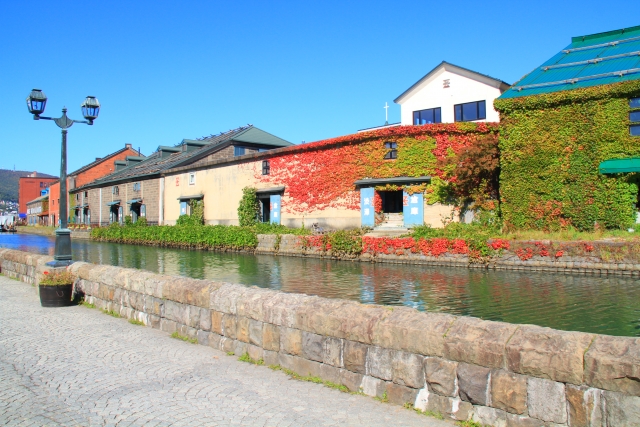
(30, 187)
(77, 205)
(450, 93)
(136, 188)
(38, 211)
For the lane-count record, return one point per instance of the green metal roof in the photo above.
(620, 165)
(592, 60)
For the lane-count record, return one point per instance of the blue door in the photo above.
(275, 202)
(412, 209)
(120, 215)
(367, 209)
(183, 208)
(143, 211)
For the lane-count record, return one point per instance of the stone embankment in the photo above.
(496, 373)
(50, 231)
(289, 245)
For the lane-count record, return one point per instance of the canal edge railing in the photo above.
(465, 368)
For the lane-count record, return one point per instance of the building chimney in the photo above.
(127, 145)
(98, 158)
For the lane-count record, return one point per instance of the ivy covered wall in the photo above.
(322, 174)
(551, 146)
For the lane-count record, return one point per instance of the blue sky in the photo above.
(304, 71)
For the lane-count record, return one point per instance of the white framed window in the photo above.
(136, 186)
(192, 178)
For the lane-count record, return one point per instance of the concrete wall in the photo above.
(465, 368)
(463, 87)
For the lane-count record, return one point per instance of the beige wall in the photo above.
(222, 189)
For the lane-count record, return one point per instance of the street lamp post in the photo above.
(36, 101)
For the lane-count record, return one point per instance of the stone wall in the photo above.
(289, 245)
(496, 373)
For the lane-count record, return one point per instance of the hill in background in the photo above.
(9, 183)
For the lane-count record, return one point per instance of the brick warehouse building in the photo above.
(97, 169)
(136, 188)
(31, 187)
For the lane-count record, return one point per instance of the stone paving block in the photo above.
(351, 380)
(410, 330)
(215, 341)
(473, 383)
(225, 297)
(216, 322)
(154, 321)
(270, 358)
(286, 360)
(355, 356)
(379, 363)
(255, 352)
(229, 326)
(441, 375)
(613, 363)
(205, 320)
(168, 326)
(242, 329)
(291, 340)
(585, 406)
(407, 369)
(373, 387)
(621, 410)
(270, 337)
(255, 332)
(203, 337)
(330, 373)
(399, 394)
(479, 342)
(447, 406)
(489, 416)
(548, 353)
(508, 391)
(312, 346)
(227, 345)
(332, 351)
(546, 400)
(239, 347)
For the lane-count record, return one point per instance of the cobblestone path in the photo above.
(75, 366)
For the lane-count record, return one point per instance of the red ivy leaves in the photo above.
(321, 174)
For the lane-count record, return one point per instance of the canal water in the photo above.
(599, 304)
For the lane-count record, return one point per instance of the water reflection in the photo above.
(609, 305)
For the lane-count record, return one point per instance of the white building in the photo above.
(448, 94)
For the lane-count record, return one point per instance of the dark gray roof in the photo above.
(502, 83)
(154, 164)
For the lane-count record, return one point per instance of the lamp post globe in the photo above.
(90, 108)
(36, 102)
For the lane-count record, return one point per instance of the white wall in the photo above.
(463, 87)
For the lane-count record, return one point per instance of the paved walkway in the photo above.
(75, 366)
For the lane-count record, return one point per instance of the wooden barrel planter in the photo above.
(56, 295)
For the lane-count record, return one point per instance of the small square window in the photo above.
(634, 116)
(266, 167)
(634, 103)
(634, 130)
(192, 178)
(238, 151)
(392, 150)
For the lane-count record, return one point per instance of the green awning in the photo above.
(620, 165)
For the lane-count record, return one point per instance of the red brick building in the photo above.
(100, 167)
(30, 187)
